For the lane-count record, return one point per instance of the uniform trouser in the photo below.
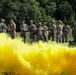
(45, 35)
(51, 35)
(32, 36)
(64, 38)
(40, 37)
(24, 36)
(59, 38)
(13, 35)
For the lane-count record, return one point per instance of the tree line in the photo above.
(38, 10)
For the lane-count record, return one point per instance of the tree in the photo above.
(43, 3)
(51, 8)
(37, 10)
(66, 11)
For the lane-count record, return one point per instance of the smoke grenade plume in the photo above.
(37, 58)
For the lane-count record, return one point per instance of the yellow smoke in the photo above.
(36, 59)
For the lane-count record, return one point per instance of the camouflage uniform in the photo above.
(2, 26)
(74, 31)
(59, 32)
(32, 30)
(52, 28)
(12, 29)
(24, 29)
(40, 32)
(45, 32)
(65, 30)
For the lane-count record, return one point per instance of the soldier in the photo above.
(2, 26)
(24, 29)
(12, 29)
(32, 29)
(40, 32)
(52, 28)
(74, 31)
(59, 32)
(45, 32)
(65, 30)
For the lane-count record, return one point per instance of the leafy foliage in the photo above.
(38, 10)
(66, 11)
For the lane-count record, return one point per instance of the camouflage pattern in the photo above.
(2, 26)
(23, 30)
(12, 29)
(2, 20)
(32, 30)
(45, 32)
(65, 30)
(40, 33)
(59, 32)
(52, 29)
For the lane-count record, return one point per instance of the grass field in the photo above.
(28, 39)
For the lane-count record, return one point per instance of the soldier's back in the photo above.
(40, 31)
(59, 29)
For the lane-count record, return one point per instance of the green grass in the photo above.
(28, 39)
